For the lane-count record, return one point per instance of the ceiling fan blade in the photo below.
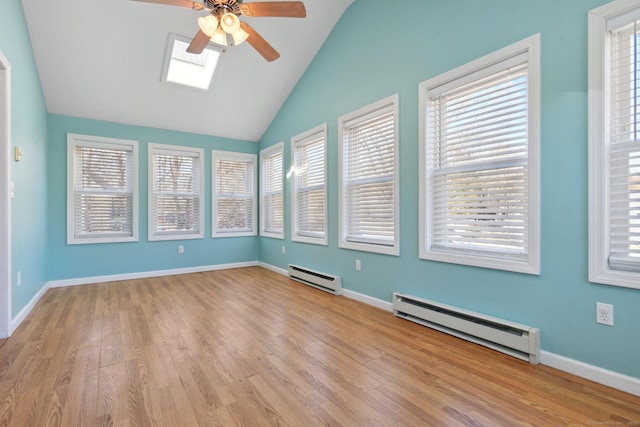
(260, 44)
(285, 9)
(199, 42)
(182, 3)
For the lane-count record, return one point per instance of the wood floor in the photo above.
(249, 347)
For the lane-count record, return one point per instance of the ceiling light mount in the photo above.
(220, 7)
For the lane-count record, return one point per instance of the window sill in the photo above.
(364, 247)
(99, 240)
(606, 276)
(163, 237)
(515, 265)
(272, 235)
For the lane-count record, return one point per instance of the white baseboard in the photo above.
(273, 268)
(16, 321)
(590, 372)
(387, 306)
(147, 274)
(375, 302)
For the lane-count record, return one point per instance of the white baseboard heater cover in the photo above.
(323, 281)
(512, 338)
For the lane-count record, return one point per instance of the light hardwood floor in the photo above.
(250, 347)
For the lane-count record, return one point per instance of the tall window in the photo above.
(234, 186)
(369, 178)
(309, 199)
(614, 144)
(176, 192)
(102, 193)
(272, 192)
(479, 129)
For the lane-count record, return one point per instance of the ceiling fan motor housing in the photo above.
(223, 6)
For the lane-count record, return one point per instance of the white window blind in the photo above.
(479, 179)
(309, 198)
(234, 178)
(624, 148)
(369, 181)
(480, 170)
(176, 192)
(103, 190)
(272, 207)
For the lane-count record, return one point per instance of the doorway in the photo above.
(5, 197)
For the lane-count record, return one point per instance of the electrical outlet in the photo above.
(19, 278)
(284, 250)
(604, 313)
(180, 249)
(358, 265)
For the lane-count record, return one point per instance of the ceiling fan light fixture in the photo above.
(239, 36)
(219, 37)
(208, 24)
(230, 23)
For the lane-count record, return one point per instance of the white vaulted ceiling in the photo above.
(103, 60)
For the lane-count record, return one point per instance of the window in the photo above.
(369, 178)
(272, 192)
(234, 183)
(188, 69)
(479, 189)
(614, 144)
(309, 199)
(176, 192)
(102, 192)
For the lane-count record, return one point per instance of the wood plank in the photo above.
(250, 347)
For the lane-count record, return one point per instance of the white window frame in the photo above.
(251, 161)
(392, 103)
(268, 152)
(488, 65)
(615, 14)
(176, 150)
(75, 140)
(319, 132)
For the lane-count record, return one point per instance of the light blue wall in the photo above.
(28, 128)
(363, 61)
(81, 261)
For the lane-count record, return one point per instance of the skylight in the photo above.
(187, 69)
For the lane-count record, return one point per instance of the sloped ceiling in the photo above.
(103, 60)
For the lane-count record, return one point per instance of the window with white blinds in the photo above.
(272, 191)
(624, 148)
(614, 144)
(369, 178)
(479, 208)
(176, 192)
(102, 190)
(234, 183)
(309, 198)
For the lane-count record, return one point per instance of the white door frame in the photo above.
(5, 197)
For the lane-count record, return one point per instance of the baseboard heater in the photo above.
(323, 281)
(514, 339)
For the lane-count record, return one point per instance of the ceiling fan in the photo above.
(222, 23)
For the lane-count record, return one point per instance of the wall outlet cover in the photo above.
(604, 313)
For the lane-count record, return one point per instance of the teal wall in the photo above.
(29, 131)
(363, 61)
(81, 261)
